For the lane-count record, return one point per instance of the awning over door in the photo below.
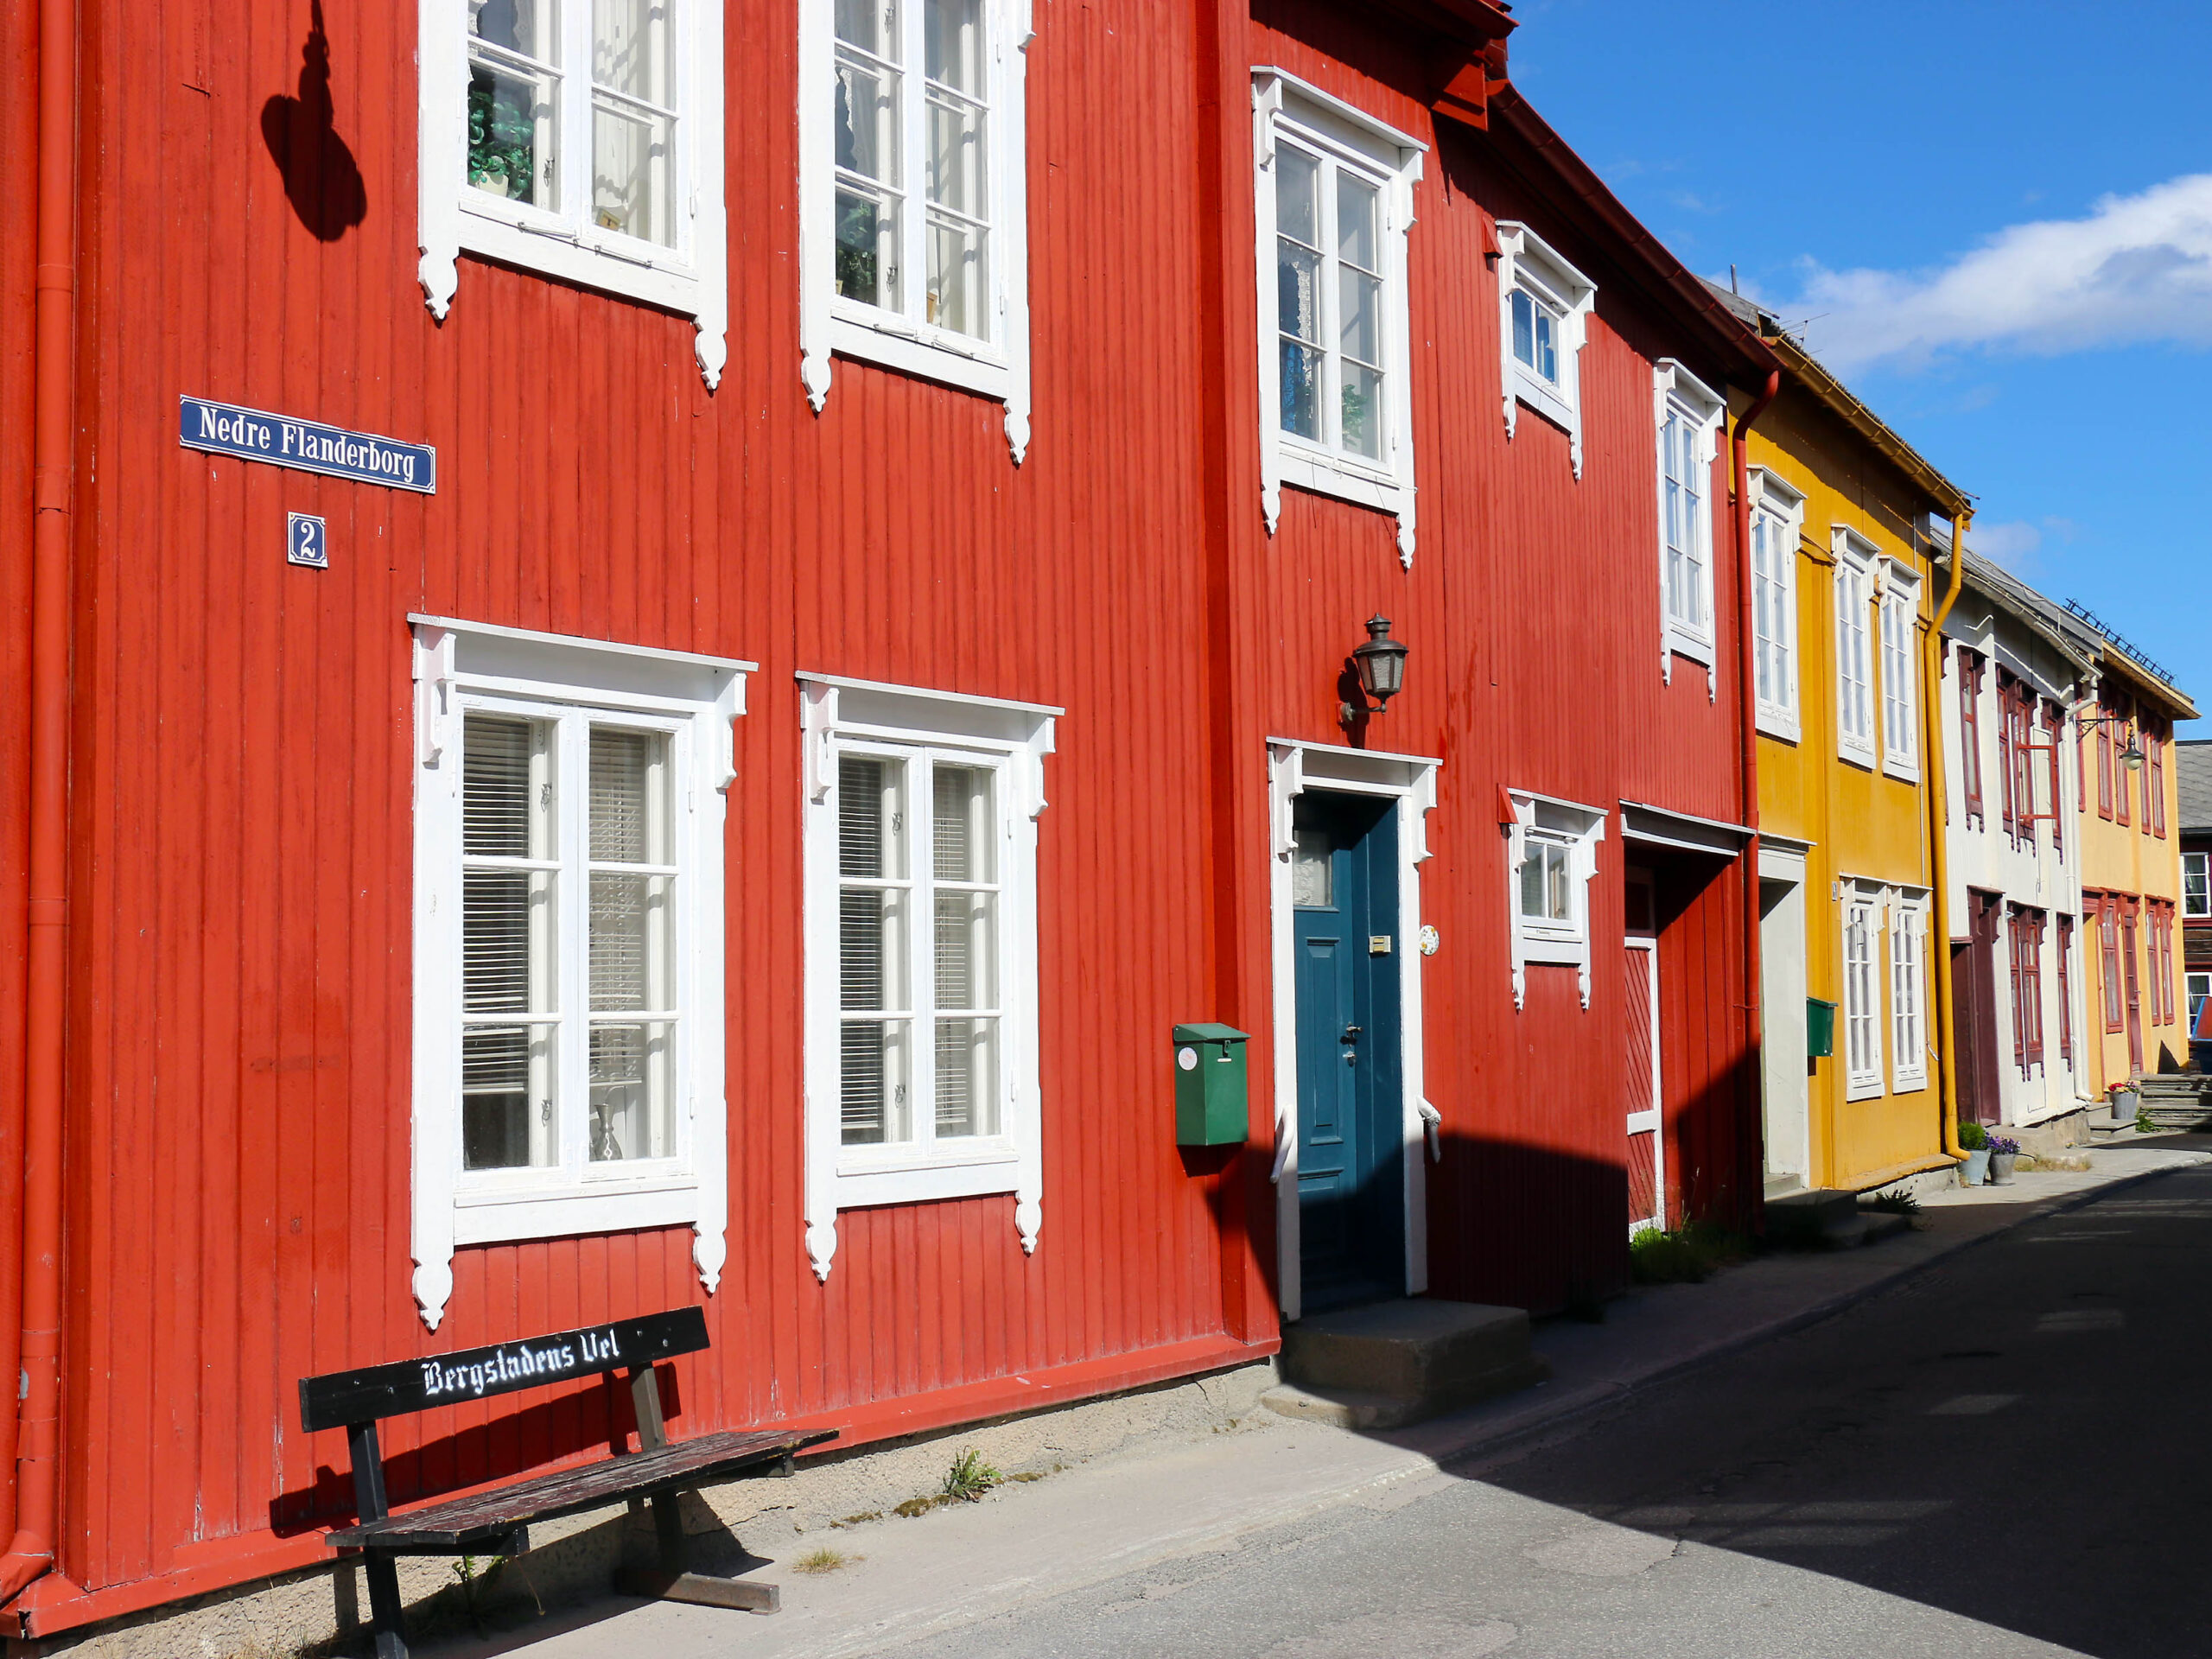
(1655, 826)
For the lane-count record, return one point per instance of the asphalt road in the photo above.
(2006, 1456)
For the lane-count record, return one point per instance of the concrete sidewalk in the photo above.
(905, 1579)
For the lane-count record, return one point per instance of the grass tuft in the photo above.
(824, 1559)
(1683, 1255)
(1894, 1201)
(970, 1477)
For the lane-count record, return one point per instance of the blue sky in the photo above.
(1998, 218)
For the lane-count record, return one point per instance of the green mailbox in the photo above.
(1820, 1028)
(1210, 1107)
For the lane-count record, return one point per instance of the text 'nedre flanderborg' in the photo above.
(508, 1365)
(287, 440)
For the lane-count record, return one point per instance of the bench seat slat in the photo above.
(492, 1514)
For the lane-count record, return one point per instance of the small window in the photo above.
(2154, 781)
(913, 246)
(1854, 650)
(1862, 995)
(1544, 306)
(2197, 884)
(2066, 990)
(1551, 856)
(1900, 611)
(1334, 197)
(2108, 939)
(921, 950)
(1689, 414)
(1908, 998)
(2200, 993)
(584, 142)
(1777, 512)
(569, 942)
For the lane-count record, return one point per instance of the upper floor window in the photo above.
(1688, 414)
(1777, 512)
(913, 245)
(2054, 724)
(1334, 200)
(1854, 650)
(584, 142)
(1970, 670)
(2197, 884)
(2154, 779)
(1900, 676)
(920, 921)
(568, 940)
(2122, 730)
(1544, 306)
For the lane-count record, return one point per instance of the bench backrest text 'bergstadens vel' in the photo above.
(344, 1398)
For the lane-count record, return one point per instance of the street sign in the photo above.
(306, 541)
(307, 445)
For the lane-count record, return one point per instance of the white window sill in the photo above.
(1905, 772)
(497, 1216)
(1554, 948)
(1903, 1085)
(1780, 723)
(866, 335)
(1307, 467)
(655, 276)
(997, 1170)
(1856, 757)
(1543, 398)
(1682, 643)
(1863, 1088)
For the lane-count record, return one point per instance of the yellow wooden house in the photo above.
(1848, 524)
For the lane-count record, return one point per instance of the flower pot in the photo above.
(2001, 1167)
(1976, 1168)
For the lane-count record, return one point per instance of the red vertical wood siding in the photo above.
(239, 1002)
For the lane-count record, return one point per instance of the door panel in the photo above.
(2131, 976)
(1974, 1004)
(1647, 1181)
(1345, 920)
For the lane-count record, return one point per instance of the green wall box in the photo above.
(1820, 1028)
(1210, 1095)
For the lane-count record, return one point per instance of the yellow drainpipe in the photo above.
(1948, 1102)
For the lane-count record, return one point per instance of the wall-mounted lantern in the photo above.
(2131, 756)
(1381, 663)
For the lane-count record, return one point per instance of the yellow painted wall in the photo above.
(1863, 823)
(2130, 858)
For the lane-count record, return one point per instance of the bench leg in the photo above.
(387, 1619)
(668, 1532)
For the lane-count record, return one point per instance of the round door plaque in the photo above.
(1431, 941)
(1187, 1059)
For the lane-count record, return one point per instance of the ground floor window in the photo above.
(1862, 992)
(920, 906)
(2024, 929)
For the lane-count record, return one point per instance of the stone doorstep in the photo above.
(1392, 1363)
(1829, 1218)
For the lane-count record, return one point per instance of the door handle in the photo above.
(1351, 1031)
(1351, 1057)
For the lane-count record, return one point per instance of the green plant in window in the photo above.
(1358, 404)
(856, 256)
(502, 140)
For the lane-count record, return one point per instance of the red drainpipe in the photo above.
(36, 1421)
(1753, 1020)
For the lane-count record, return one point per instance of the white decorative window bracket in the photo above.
(690, 279)
(1408, 781)
(832, 706)
(452, 658)
(828, 330)
(1583, 827)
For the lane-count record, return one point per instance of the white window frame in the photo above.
(1898, 611)
(2201, 862)
(1537, 819)
(1678, 394)
(832, 327)
(1526, 262)
(2196, 989)
(690, 278)
(459, 665)
(1907, 972)
(836, 714)
(1284, 105)
(1856, 560)
(1864, 1082)
(1778, 509)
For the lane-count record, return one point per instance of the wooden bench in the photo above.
(497, 1522)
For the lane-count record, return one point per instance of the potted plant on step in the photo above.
(2003, 1152)
(1976, 1147)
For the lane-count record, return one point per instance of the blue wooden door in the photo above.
(1345, 920)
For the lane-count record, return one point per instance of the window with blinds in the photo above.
(569, 918)
(917, 1005)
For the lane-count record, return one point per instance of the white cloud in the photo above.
(2010, 544)
(2135, 269)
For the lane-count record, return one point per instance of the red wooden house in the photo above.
(843, 532)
